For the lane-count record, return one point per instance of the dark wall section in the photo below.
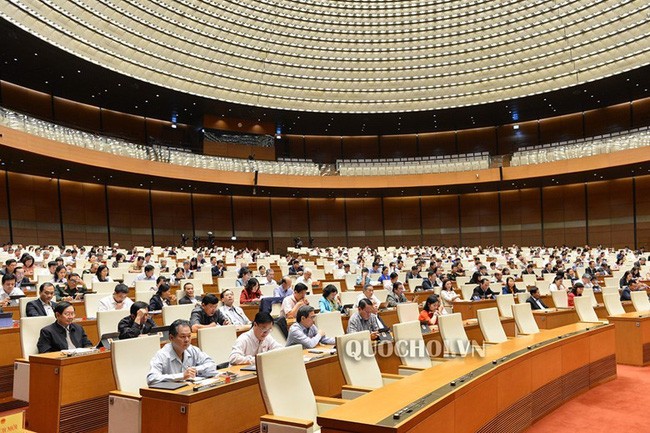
(41, 210)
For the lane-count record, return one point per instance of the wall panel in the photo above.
(521, 217)
(440, 220)
(4, 210)
(480, 219)
(28, 101)
(212, 214)
(323, 149)
(252, 219)
(608, 119)
(123, 125)
(561, 128)
(327, 221)
(83, 207)
(402, 221)
(364, 221)
(172, 216)
(437, 143)
(34, 209)
(289, 217)
(77, 114)
(129, 216)
(564, 215)
(398, 146)
(641, 113)
(360, 147)
(511, 139)
(642, 187)
(477, 140)
(611, 220)
(294, 146)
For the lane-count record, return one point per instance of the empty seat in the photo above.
(412, 350)
(505, 303)
(585, 310)
(560, 298)
(524, 319)
(453, 334)
(217, 342)
(330, 323)
(490, 324)
(613, 304)
(174, 312)
(640, 301)
(408, 312)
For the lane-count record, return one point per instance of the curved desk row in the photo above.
(516, 383)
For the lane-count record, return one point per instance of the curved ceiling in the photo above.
(349, 56)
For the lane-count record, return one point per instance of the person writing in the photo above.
(178, 360)
(305, 332)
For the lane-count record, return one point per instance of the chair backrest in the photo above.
(453, 333)
(204, 276)
(361, 370)
(217, 342)
(524, 319)
(313, 300)
(227, 282)
(91, 302)
(522, 296)
(350, 281)
(278, 335)
(107, 321)
(589, 293)
(22, 305)
(505, 302)
(613, 304)
(173, 312)
(413, 352)
(490, 324)
(330, 323)
(381, 294)
(236, 291)
(466, 290)
(129, 278)
(30, 330)
(529, 280)
(349, 297)
(116, 273)
(610, 290)
(544, 288)
(560, 299)
(584, 309)
(144, 296)
(105, 287)
(284, 384)
(408, 312)
(146, 285)
(43, 278)
(132, 360)
(640, 301)
(462, 280)
(268, 291)
(87, 279)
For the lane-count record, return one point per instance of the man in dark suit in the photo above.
(535, 300)
(137, 323)
(482, 291)
(43, 306)
(480, 273)
(62, 334)
(429, 281)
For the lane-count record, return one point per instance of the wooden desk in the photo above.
(69, 394)
(185, 411)
(388, 316)
(467, 309)
(553, 318)
(543, 377)
(632, 338)
(390, 364)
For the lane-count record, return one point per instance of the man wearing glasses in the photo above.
(63, 334)
(304, 332)
(256, 340)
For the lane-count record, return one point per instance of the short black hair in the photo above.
(263, 317)
(303, 312)
(210, 299)
(162, 289)
(10, 261)
(173, 328)
(300, 287)
(393, 275)
(224, 293)
(139, 305)
(61, 306)
(51, 263)
(363, 303)
(8, 277)
(189, 283)
(149, 268)
(329, 289)
(533, 290)
(122, 288)
(43, 286)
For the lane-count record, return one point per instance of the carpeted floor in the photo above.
(619, 406)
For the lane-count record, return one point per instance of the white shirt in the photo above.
(96, 280)
(166, 365)
(15, 292)
(301, 279)
(375, 300)
(235, 315)
(108, 304)
(247, 346)
(288, 304)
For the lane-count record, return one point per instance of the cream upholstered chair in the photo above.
(505, 303)
(613, 304)
(107, 321)
(490, 324)
(466, 290)
(614, 290)
(560, 298)
(217, 342)
(287, 393)
(314, 300)
(522, 296)
(22, 305)
(330, 323)
(453, 334)
(91, 302)
(411, 348)
(105, 287)
(640, 301)
(529, 280)
(589, 293)
(349, 298)
(144, 296)
(146, 285)
(408, 312)
(361, 371)
(524, 319)
(173, 312)
(30, 330)
(585, 310)
(131, 362)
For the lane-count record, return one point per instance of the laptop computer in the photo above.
(106, 339)
(6, 320)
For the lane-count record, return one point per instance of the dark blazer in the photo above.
(35, 308)
(186, 300)
(129, 329)
(533, 304)
(52, 338)
(479, 293)
(427, 284)
(156, 303)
